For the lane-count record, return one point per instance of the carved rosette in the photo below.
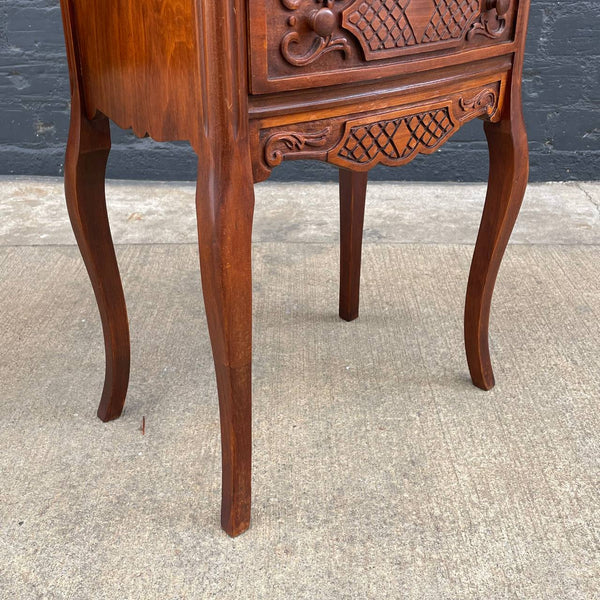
(391, 137)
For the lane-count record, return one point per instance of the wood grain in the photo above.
(509, 170)
(320, 88)
(347, 55)
(88, 148)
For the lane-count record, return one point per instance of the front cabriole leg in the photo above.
(225, 208)
(509, 169)
(225, 205)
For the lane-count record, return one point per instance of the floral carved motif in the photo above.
(280, 145)
(393, 138)
(291, 4)
(488, 25)
(386, 28)
(484, 103)
(322, 23)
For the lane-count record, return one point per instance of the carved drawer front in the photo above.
(307, 43)
(390, 136)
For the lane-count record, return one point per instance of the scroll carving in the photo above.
(393, 137)
(320, 46)
(386, 28)
(488, 25)
(322, 23)
(484, 103)
(282, 145)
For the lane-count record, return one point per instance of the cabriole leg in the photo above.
(225, 207)
(509, 168)
(87, 152)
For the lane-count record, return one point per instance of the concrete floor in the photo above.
(379, 471)
(33, 213)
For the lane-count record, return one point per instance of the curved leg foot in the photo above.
(353, 191)
(509, 168)
(85, 163)
(225, 207)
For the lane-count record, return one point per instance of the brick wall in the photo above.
(561, 94)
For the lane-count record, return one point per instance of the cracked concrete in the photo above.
(592, 193)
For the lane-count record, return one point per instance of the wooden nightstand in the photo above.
(251, 83)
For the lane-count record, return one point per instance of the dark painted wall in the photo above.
(561, 93)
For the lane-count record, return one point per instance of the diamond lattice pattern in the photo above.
(396, 139)
(385, 25)
(450, 19)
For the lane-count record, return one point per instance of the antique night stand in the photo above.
(251, 83)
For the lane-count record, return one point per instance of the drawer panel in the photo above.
(306, 43)
(391, 132)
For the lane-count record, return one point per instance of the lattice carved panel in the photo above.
(392, 137)
(387, 28)
(393, 141)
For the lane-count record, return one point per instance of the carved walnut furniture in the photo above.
(251, 83)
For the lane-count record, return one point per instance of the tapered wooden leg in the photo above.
(509, 168)
(87, 152)
(225, 207)
(353, 191)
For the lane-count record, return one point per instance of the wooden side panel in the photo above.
(138, 64)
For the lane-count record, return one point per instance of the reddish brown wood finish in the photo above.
(353, 193)
(509, 169)
(138, 62)
(321, 87)
(87, 153)
(225, 204)
(85, 162)
(225, 207)
(282, 32)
